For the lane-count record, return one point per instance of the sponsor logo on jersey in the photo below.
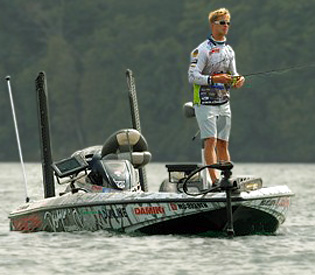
(214, 50)
(195, 53)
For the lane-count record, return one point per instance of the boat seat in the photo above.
(138, 159)
(89, 152)
(128, 144)
(189, 110)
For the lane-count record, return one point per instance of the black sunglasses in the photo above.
(222, 22)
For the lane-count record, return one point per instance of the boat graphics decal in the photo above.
(128, 212)
(27, 223)
(122, 217)
(148, 210)
(189, 205)
(119, 217)
(277, 207)
(62, 220)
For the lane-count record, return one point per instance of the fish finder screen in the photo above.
(69, 166)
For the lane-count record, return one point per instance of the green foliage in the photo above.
(86, 46)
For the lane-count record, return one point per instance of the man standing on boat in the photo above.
(212, 72)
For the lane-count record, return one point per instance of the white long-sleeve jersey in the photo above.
(210, 58)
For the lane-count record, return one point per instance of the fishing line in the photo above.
(280, 70)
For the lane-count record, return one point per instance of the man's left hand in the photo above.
(239, 82)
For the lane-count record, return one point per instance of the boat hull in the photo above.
(257, 212)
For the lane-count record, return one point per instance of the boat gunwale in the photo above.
(235, 199)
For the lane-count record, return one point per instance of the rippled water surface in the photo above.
(290, 251)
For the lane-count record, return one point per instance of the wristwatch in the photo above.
(210, 82)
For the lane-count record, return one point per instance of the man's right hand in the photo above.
(222, 78)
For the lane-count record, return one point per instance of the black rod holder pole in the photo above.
(135, 116)
(44, 134)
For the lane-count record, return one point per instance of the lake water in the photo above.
(290, 251)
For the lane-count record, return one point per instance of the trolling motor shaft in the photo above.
(225, 184)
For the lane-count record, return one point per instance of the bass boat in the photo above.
(106, 189)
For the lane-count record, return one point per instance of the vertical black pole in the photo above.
(135, 115)
(44, 137)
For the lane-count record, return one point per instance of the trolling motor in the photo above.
(225, 185)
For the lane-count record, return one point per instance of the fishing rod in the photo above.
(17, 138)
(235, 78)
(280, 70)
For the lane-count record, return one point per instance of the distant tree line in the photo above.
(86, 46)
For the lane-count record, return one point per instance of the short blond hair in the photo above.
(214, 15)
